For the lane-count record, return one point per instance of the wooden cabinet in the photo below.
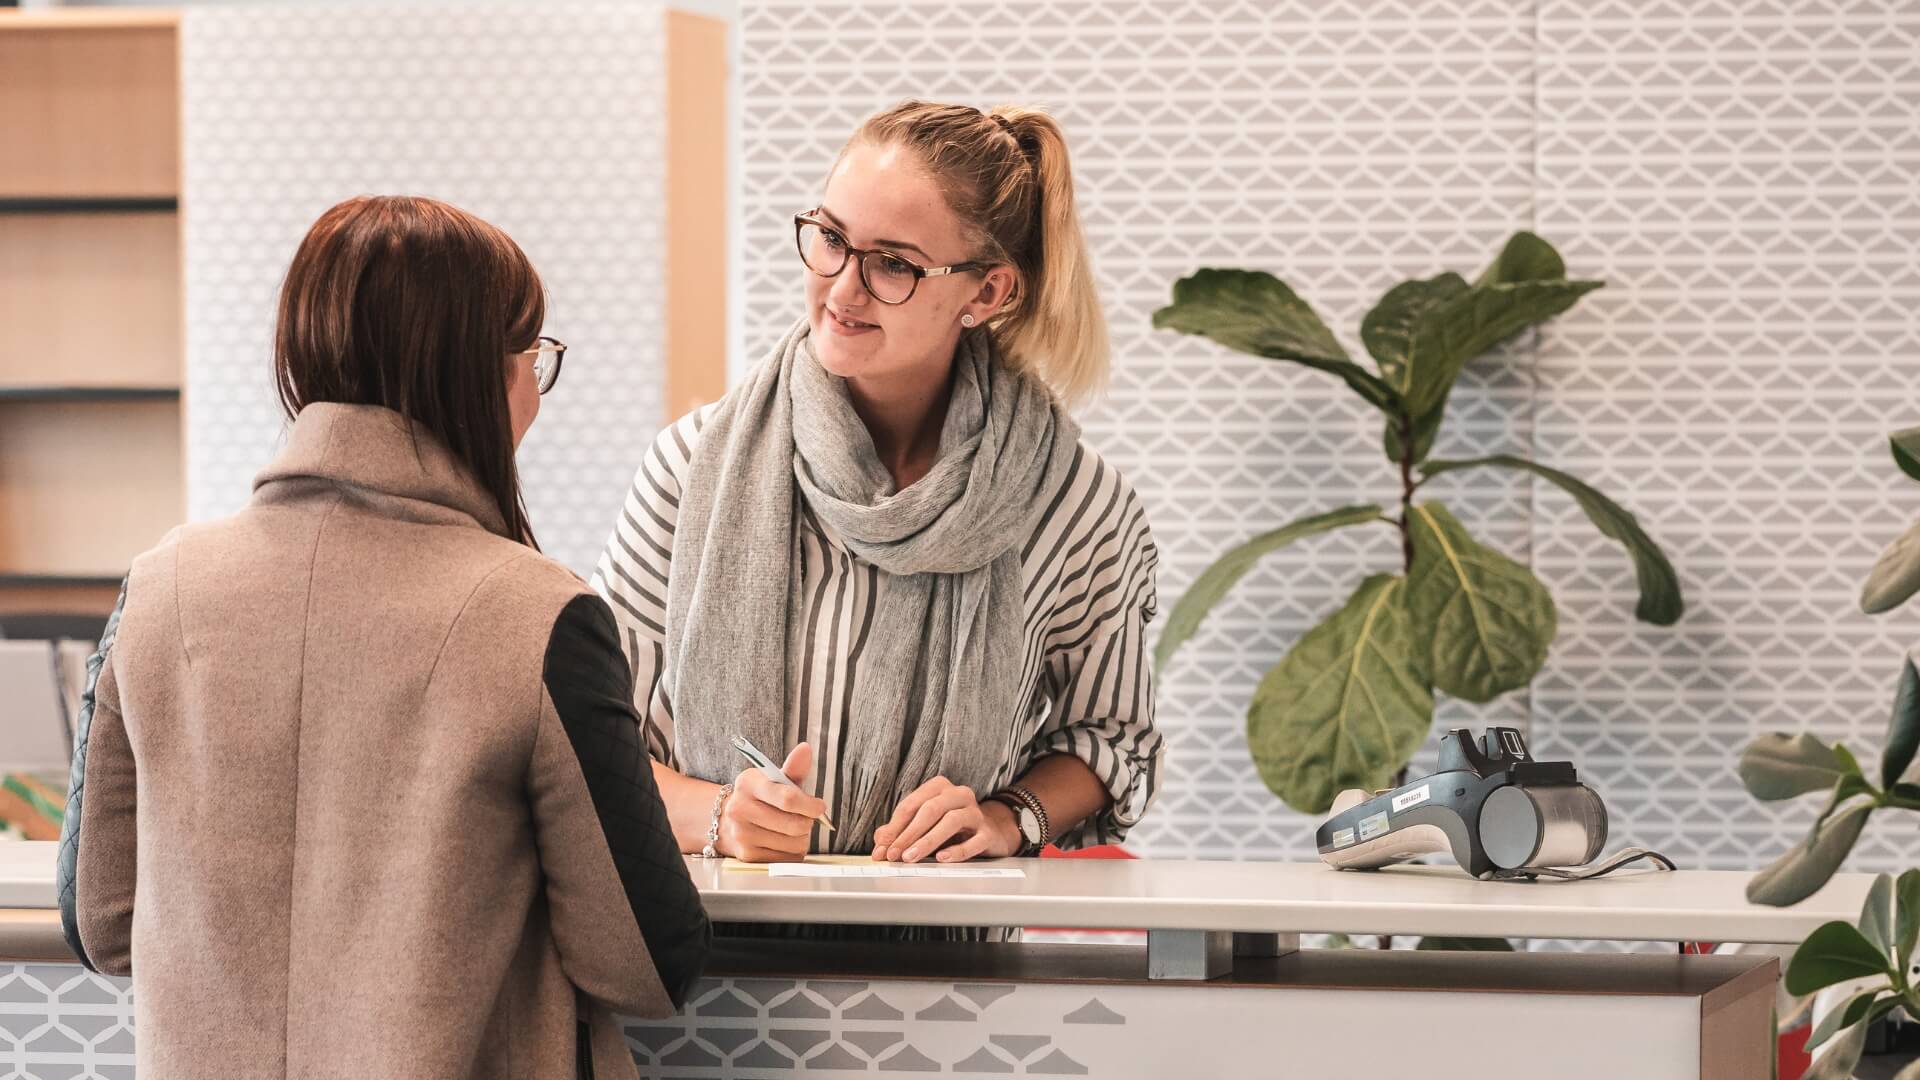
(91, 432)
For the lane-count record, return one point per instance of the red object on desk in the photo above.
(1102, 851)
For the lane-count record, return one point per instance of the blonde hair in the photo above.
(1005, 176)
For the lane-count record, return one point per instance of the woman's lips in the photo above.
(847, 327)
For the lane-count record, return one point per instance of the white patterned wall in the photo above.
(1744, 181)
(1747, 183)
(546, 120)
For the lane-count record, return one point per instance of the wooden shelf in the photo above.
(81, 493)
(88, 204)
(89, 393)
(94, 101)
(91, 319)
(88, 19)
(85, 596)
(90, 299)
(59, 581)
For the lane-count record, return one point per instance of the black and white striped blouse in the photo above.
(1089, 574)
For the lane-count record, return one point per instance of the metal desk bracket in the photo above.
(1198, 955)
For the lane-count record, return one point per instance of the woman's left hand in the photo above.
(940, 813)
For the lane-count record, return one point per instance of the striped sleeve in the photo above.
(633, 570)
(1098, 674)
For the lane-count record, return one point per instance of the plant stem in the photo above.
(1406, 490)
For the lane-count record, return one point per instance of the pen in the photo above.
(769, 769)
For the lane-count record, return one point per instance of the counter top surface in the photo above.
(1634, 905)
(1685, 905)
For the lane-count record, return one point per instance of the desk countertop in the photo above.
(1685, 905)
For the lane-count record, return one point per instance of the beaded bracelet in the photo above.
(713, 827)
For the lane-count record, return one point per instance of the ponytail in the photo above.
(1006, 177)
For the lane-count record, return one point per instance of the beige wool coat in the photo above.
(359, 792)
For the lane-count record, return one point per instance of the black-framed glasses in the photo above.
(889, 277)
(547, 355)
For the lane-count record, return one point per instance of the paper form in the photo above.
(867, 868)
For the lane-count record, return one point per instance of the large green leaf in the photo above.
(1254, 312)
(1903, 728)
(1844, 1015)
(1215, 581)
(1906, 918)
(1489, 619)
(1455, 332)
(1347, 706)
(1660, 601)
(1777, 766)
(1895, 577)
(1525, 258)
(1906, 451)
(1876, 914)
(1834, 953)
(1807, 866)
(1388, 329)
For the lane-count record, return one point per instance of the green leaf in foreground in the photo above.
(1347, 705)
(1834, 953)
(1805, 867)
(1777, 766)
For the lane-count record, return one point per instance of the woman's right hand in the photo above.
(767, 821)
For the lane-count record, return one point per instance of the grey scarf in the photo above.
(936, 691)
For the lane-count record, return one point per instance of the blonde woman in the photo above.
(887, 555)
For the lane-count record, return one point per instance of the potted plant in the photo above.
(1353, 699)
(1878, 950)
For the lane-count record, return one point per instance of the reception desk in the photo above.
(1218, 988)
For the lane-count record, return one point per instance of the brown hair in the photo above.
(1006, 177)
(413, 305)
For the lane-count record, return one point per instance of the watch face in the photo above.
(1029, 825)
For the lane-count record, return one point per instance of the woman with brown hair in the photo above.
(888, 555)
(357, 788)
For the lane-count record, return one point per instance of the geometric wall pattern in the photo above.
(545, 121)
(60, 1021)
(1745, 178)
(782, 1027)
(63, 1022)
(1742, 177)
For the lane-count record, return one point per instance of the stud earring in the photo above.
(966, 321)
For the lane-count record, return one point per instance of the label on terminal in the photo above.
(1407, 799)
(1372, 826)
(1342, 837)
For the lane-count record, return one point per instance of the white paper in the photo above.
(882, 870)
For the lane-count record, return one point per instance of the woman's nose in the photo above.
(847, 289)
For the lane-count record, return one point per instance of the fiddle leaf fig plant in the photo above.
(1353, 699)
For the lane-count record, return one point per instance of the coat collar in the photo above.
(379, 454)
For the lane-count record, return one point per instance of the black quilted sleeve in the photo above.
(588, 680)
(66, 870)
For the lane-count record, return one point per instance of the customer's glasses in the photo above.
(889, 277)
(547, 354)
